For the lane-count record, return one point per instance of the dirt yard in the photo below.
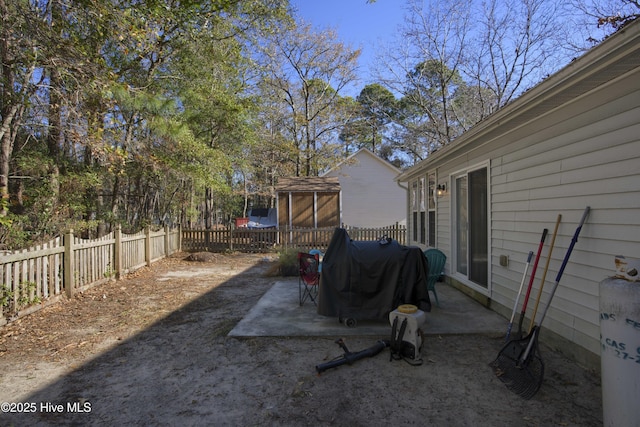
(152, 349)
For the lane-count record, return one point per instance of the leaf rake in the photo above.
(519, 364)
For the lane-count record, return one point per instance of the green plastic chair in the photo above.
(435, 261)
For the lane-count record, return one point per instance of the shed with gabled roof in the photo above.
(309, 202)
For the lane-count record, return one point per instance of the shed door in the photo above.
(328, 209)
(302, 210)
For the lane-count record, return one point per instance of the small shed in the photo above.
(309, 202)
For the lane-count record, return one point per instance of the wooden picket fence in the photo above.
(35, 277)
(268, 240)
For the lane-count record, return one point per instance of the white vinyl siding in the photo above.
(370, 195)
(570, 159)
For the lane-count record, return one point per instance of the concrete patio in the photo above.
(279, 314)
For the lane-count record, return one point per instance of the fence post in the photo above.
(117, 252)
(69, 267)
(147, 245)
(166, 241)
(231, 237)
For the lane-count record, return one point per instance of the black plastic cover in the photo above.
(368, 279)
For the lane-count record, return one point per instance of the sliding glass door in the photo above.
(462, 225)
(472, 226)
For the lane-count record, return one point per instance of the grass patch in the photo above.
(287, 264)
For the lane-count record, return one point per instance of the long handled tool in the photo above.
(544, 273)
(533, 275)
(519, 364)
(515, 305)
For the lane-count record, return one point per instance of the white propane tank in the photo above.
(620, 351)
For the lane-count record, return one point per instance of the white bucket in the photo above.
(620, 353)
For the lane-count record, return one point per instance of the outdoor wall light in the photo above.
(442, 190)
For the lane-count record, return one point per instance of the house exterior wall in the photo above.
(584, 152)
(587, 156)
(370, 195)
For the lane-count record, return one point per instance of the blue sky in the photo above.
(360, 24)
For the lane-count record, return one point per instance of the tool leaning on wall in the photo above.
(519, 364)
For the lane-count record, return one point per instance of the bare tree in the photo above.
(456, 62)
(515, 47)
(310, 69)
(426, 69)
(590, 21)
(20, 61)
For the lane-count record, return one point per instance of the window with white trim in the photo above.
(414, 210)
(431, 226)
(422, 190)
(423, 210)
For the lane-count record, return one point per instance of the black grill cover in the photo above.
(368, 279)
